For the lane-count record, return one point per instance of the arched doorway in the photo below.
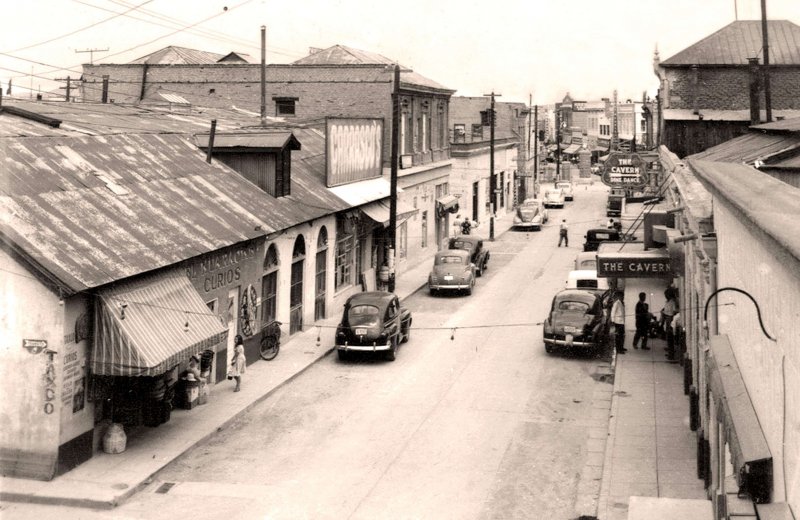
(321, 278)
(269, 286)
(296, 286)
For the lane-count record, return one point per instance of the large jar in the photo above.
(114, 440)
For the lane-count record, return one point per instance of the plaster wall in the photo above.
(751, 261)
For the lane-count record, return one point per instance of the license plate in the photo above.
(361, 332)
(571, 330)
(448, 278)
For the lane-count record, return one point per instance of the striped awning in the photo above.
(148, 325)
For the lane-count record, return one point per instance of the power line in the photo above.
(76, 31)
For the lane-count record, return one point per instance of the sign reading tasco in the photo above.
(625, 170)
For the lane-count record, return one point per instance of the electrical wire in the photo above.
(133, 8)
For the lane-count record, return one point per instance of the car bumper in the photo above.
(555, 204)
(566, 342)
(364, 348)
(445, 287)
(528, 224)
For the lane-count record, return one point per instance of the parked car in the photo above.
(595, 236)
(554, 198)
(528, 216)
(539, 203)
(453, 270)
(615, 205)
(576, 319)
(586, 260)
(479, 255)
(373, 321)
(566, 188)
(595, 170)
(587, 279)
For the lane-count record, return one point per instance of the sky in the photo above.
(515, 48)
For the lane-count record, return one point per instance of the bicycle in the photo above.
(270, 340)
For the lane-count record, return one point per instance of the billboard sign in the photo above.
(354, 150)
(625, 170)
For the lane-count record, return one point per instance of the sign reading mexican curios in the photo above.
(625, 170)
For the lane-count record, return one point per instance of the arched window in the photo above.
(269, 286)
(296, 286)
(321, 278)
(299, 251)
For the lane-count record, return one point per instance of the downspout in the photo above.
(144, 81)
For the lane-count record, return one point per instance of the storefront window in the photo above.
(269, 286)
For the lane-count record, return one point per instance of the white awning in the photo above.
(363, 192)
(379, 212)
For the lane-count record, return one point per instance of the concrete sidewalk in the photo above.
(106, 480)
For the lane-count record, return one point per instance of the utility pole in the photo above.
(765, 45)
(91, 53)
(263, 75)
(390, 247)
(68, 87)
(558, 145)
(492, 179)
(535, 149)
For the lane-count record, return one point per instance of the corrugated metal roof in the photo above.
(343, 55)
(173, 55)
(748, 148)
(740, 40)
(787, 125)
(92, 209)
(251, 140)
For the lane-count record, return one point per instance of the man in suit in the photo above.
(642, 322)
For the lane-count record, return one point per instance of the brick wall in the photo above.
(727, 88)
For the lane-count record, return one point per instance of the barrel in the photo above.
(114, 440)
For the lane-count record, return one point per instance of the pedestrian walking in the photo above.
(642, 322)
(610, 224)
(238, 363)
(618, 320)
(562, 234)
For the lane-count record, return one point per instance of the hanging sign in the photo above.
(625, 170)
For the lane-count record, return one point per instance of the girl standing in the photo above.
(239, 362)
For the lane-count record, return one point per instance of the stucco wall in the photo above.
(30, 382)
(750, 261)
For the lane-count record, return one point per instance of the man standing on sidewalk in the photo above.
(642, 322)
(562, 234)
(618, 320)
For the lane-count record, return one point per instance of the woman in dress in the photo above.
(238, 363)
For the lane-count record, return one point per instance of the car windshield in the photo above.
(447, 259)
(528, 211)
(553, 194)
(586, 284)
(563, 185)
(360, 315)
(460, 244)
(569, 305)
(600, 236)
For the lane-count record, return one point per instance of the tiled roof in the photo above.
(343, 55)
(740, 40)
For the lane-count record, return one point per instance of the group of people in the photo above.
(669, 323)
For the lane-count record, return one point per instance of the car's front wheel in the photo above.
(548, 348)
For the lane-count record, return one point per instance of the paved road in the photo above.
(473, 419)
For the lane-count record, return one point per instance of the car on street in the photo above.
(528, 216)
(539, 203)
(474, 245)
(566, 187)
(586, 260)
(595, 236)
(453, 270)
(615, 204)
(554, 198)
(576, 319)
(373, 321)
(587, 279)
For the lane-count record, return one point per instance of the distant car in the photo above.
(615, 204)
(479, 255)
(539, 203)
(528, 216)
(373, 321)
(595, 170)
(566, 188)
(554, 198)
(576, 319)
(595, 236)
(453, 270)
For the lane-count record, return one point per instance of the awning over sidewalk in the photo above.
(572, 149)
(752, 460)
(655, 263)
(150, 324)
(379, 212)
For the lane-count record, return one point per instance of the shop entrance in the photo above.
(232, 315)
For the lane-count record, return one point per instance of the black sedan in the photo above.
(373, 321)
(478, 255)
(576, 319)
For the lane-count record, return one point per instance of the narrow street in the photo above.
(473, 420)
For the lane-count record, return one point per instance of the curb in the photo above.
(602, 502)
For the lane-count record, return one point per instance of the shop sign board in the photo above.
(625, 170)
(634, 266)
(354, 150)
